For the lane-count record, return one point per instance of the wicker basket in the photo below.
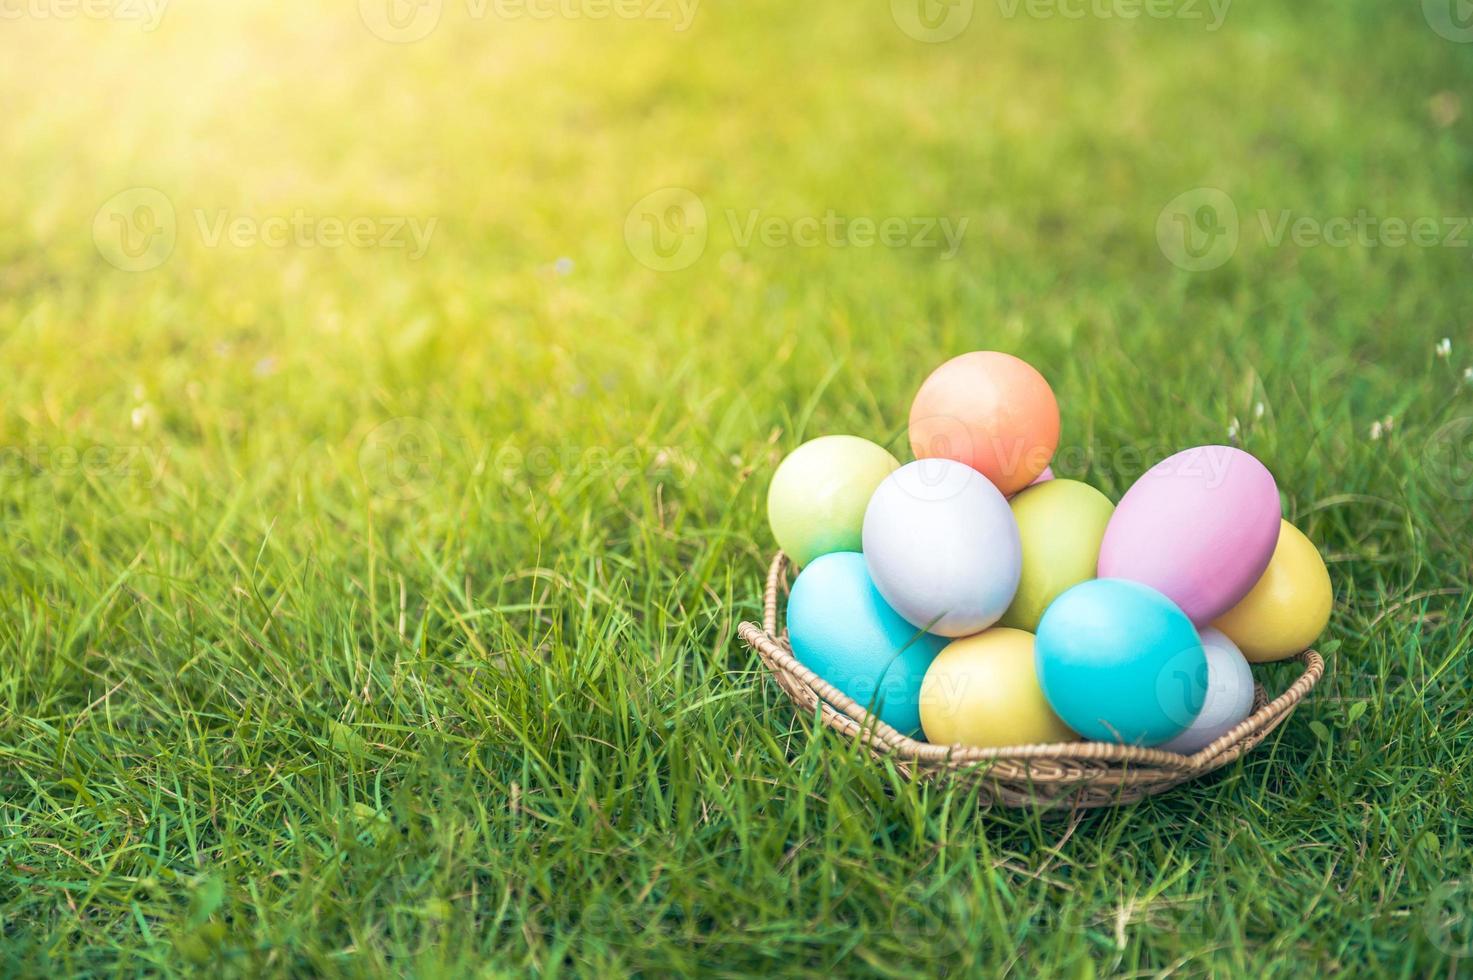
(1069, 775)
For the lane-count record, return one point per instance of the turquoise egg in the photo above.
(842, 630)
(1120, 662)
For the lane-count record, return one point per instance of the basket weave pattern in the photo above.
(1072, 775)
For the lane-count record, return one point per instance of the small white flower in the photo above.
(1258, 410)
(1444, 347)
(1375, 431)
(1388, 423)
(139, 417)
(1468, 374)
(1233, 428)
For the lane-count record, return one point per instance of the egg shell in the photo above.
(1229, 695)
(841, 629)
(991, 411)
(1289, 606)
(942, 547)
(1199, 527)
(982, 691)
(817, 497)
(1061, 524)
(1119, 662)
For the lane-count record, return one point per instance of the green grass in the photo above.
(364, 615)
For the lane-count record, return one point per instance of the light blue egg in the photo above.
(842, 630)
(1120, 662)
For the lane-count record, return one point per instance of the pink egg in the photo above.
(1199, 527)
(1044, 477)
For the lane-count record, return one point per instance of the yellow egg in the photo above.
(1060, 524)
(1288, 608)
(817, 498)
(982, 691)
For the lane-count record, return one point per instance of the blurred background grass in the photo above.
(370, 611)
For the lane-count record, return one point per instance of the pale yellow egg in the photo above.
(982, 691)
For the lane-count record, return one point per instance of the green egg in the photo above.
(1061, 523)
(817, 498)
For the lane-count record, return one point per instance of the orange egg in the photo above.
(991, 411)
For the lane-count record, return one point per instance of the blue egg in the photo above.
(842, 630)
(1120, 662)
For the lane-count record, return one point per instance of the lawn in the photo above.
(387, 422)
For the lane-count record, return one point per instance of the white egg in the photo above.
(1229, 694)
(942, 547)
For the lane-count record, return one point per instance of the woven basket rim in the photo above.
(1144, 764)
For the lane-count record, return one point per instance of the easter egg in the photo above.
(816, 501)
(1229, 695)
(1060, 524)
(982, 691)
(942, 547)
(841, 629)
(1044, 477)
(1288, 607)
(1199, 527)
(1120, 662)
(991, 411)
